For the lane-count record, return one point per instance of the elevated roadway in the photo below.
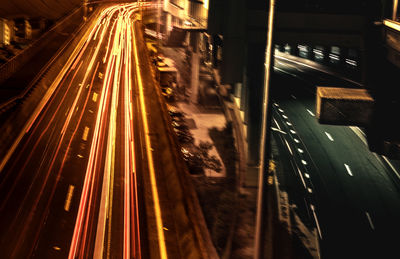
(95, 170)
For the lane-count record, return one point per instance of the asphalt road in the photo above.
(349, 194)
(69, 188)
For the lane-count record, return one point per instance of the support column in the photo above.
(195, 67)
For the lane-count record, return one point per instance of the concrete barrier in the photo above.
(193, 238)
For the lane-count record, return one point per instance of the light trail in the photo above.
(117, 76)
(92, 163)
(157, 209)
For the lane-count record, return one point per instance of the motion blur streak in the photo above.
(116, 88)
(157, 209)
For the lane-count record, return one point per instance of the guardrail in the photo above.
(193, 238)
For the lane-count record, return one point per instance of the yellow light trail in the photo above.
(157, 209)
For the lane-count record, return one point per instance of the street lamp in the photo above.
(262, 195)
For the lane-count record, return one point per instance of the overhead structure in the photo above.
(49, 9)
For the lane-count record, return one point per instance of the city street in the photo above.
(349, 194)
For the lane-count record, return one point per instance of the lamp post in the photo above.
(262, 196)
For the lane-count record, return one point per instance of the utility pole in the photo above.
(262, 196)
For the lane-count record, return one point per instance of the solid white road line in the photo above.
(348, 169)
(369, 220)
(311, 113)
(329, 136)
(316, 220)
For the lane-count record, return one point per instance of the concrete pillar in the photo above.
(194, 79)
(195, 66)
(237, 90)
(168, 21)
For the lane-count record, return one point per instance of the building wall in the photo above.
(5, 32)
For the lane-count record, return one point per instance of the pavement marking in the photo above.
(290, 150)
(288, 123)
(85, 133)
(362, 136)
(80, 156)
(292, 131)
(277, 124)
(329, 136)
(296, 140)
(301, 177)
(304, 162)
(278, 130)
(300, 150)
(348, 169)
(294, 97)
(311, 113)
(391, 166)
(359, 134)
(90, 111)
(369, 220)
(275, 104)
(280, 110)
(70, 192)
(309, 190)
(94, 97)
(285, 117)
(307, 176)
(57, 248)
(316, 220)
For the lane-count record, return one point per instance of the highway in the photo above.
(347, 193)
(69, 187)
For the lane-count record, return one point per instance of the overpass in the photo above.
(154, 185)
(243, 39)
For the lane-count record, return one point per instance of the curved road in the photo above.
(69, 188)
(349, 194)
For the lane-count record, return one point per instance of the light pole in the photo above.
(262, 195)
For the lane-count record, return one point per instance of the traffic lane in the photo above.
(311, 74)
(293, 178)
(100, 234)
(364, 162)
(23, 200)
(55, 238)
(58, 114)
